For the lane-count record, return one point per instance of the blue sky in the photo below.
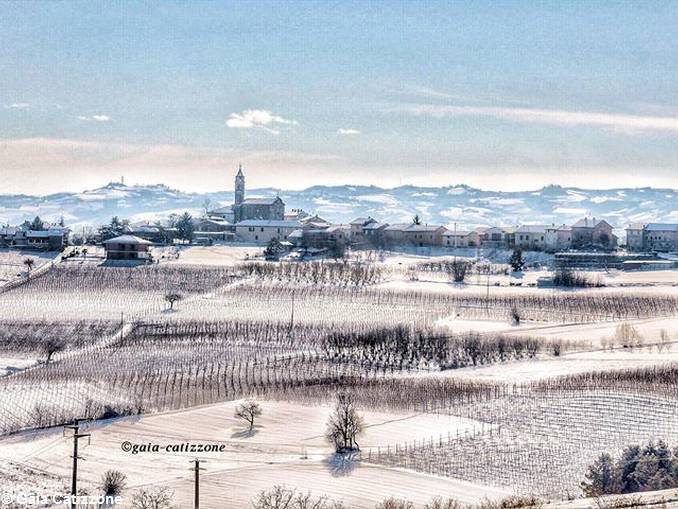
(502, 95)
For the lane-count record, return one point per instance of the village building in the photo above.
(419, 235)
(357, 228)
(460, 238)
(326, 238)
(374, 234)
(128, 247)
(593, 232)
(495, 237)
(661, 237)
(531, 237)
(223, 213)
(244, 209)
(52, 238)
(635, 237)
(259, 231)
(558, 238)
(270, 209)
(211, 228)
(296, 215)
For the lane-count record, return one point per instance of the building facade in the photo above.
(531, 237)
(259, 231)
(593, 232)
(128, 247)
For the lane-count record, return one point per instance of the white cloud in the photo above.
(619, 122)
(262, 119)
(94, 118)
(17, 106)
(348, 131)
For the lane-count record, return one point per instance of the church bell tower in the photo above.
(239, 186)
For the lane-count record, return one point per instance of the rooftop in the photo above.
(662, 227)
(127, 239)
(269, 223)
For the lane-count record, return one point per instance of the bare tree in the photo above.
(344, 424)
(459, 269)
(248, 411)
(171, 298)
(53, 345)
(280, 497)
(395, 503)
(206, 206)
(29, 263)
(153, 498)
(113, 482)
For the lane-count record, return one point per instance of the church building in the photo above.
(270, 209)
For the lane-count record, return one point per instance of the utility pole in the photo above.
(196, 489)
(74, 476)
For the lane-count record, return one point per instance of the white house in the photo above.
(262, 231)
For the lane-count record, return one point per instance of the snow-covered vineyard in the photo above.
(469, 390)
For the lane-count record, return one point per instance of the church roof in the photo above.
(260, 201)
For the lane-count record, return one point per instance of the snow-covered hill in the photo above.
(439, 205)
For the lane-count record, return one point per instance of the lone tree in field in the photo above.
(248, 411)
(171, 298)
(459, 269)
(113, 482)
(345, 424)
(52, 346)
(517, 263)
(29, 263)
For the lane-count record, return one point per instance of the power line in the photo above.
(196, 485)
(74, 475)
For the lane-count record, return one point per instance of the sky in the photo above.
(503, 95)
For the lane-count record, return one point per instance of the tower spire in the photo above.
(239, 186)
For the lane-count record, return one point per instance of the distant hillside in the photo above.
(440, 205)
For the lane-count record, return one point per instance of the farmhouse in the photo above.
(127, 247)
(260, 231)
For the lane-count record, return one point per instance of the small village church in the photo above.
(271, 209)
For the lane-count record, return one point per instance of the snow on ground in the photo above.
(11, 364)
(207, 255)
(12, 261)
(569, 364)
(286, 448)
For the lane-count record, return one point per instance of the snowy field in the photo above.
(286, 446)
(464, 431)
(12, 262)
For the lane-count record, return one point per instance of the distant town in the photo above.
(264, 221)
